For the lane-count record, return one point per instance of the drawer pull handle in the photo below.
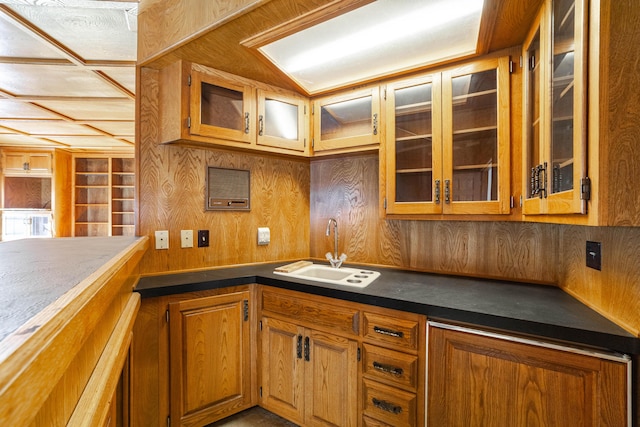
(386, 406)
(389, 369)
(390, 332)
(306, 348)
(299, 347)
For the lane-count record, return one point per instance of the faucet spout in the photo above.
(335, 261)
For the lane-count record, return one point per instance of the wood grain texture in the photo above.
(347, 189)
(62, 189)
(172, 194)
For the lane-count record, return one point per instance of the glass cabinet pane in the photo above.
(346, 119)
(221, 107)
(562, 105)
(280, 119)
(475, 138)
(414, 143)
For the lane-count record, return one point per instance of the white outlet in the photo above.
(162, 239)
(186, 238)
(264, 236)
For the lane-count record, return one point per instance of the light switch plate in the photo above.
(186, 238)
(162, 239)
(203, 238)
(264, 236)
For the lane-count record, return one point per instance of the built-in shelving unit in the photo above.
(103, 196)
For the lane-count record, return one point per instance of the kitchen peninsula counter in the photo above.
(65, 326)
(529, 309)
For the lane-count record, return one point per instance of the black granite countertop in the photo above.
(543, 311)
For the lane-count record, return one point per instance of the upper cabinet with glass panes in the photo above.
(447, 142)
(555, 111)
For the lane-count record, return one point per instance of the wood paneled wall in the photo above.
(347, 189)
(171, 196)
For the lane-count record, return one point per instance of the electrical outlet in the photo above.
(594, 255)
(264, 236)
(162, 239)
(203, 238)
(186, 238)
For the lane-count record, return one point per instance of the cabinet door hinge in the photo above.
(512, 202)
(384, 94)
(304, 143)
(189, 122)
(585, 188)
(168, 420)
(384, 203)
(189, 80)
(313, 143)
(305, 110)
(166, 315)
(260, 325)
(313, 110)
(260, 391)
(245, 310)
(511, 67)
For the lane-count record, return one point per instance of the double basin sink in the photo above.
(354, 277)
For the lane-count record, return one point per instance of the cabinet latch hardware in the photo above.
(246, 123)
(386, 406)
(585, 188)
(389, 332)
(447, 191)
(299, 347)
(375, 124)
(538, 181)
(306, 349)
(437, 191)
(260, 125)
(189, 122)
(245, 309)
(511, 67)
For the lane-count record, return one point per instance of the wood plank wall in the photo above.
(171, 196)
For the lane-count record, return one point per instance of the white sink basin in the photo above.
(355, 277)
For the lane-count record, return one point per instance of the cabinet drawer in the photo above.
(371, 422)
(392, 331)
(390, 366)
(315, 313)
(390, 405)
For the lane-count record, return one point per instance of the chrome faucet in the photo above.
(334, 260)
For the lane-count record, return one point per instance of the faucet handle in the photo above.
(343, 257)
(328, 256)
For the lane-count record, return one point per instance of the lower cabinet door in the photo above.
(210, 360)
(477, 378)
(283, 369)
(331, 380)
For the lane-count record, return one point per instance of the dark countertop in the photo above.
(34, 273)
(543, 311)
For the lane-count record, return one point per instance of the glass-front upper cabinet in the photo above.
(476, 136)
(414, 146)
(282, 121)
(221, 108)
(555, 156)
(347, 120)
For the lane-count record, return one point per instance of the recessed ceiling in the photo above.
(68, 74)
(377, 39)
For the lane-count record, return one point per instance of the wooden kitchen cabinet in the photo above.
(347, 121)
(308, 376)
(448, 141)
(203, 106)
(481, 378)
(26, 164)
(555, 151)
(210, 353)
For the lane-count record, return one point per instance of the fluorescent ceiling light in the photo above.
(380, 38)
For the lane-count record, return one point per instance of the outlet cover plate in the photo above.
(203, 238)
(162, 239)
(594, 255)
(186, 238)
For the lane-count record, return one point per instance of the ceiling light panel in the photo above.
(383, 37)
